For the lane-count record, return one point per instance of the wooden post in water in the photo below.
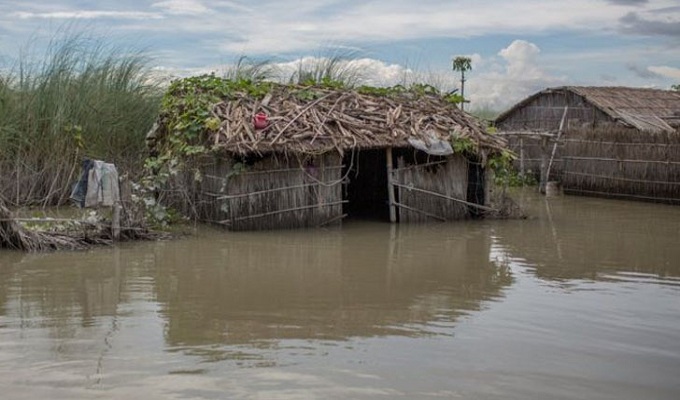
(557, 141)
(521, 156)
(115, 221)
(390, 186)
(544, 164)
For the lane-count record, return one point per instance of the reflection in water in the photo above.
(359, 281)
(256, 289)
(447, 310)
(50, 290)
(587, 238)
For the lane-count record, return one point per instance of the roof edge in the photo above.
(527, 100)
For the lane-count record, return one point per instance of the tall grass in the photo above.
(82, 99)
(334, 67)
(246, 68)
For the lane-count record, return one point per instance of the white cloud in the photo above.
(495, 82)
(368, 71)
(297, 25)
(521, 57)
(181, 7)
(85, 14)
(518, 74)
(669, 72)
(193, 33)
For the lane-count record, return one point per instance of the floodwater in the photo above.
(581, 301)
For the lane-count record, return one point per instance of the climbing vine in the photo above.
(504, 172)
(188, 102)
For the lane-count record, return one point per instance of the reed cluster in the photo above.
(83, 98)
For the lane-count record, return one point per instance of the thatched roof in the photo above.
(318, 119)
(644, 109)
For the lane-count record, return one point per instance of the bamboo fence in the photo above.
(612, 162)
(623, 163)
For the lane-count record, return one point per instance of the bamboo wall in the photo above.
(448, 177)
(622, 163)
(529, 151)
(544, 114)
(274, 192)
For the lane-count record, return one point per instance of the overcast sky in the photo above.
(517, 46)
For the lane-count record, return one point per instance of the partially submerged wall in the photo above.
(423, 188)
(622, 163)
(279, 192)
(271, 192)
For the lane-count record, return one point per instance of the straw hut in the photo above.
(649, 110)
(612, 141)
(283, 156)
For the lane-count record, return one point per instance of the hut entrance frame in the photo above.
(408, 185)
(366, 188)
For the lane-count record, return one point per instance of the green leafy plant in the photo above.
(505, 174)
(454, 98)
(307, 94)
(463, 145)
(187, 104)
(382, 91)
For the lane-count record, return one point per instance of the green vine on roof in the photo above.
(382, 91)
(463, 145)
(188, 103)
(186, 107)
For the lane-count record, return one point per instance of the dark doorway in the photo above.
(475, 188)
(366, 191)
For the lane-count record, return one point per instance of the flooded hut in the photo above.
(616, 142)
(270, 156)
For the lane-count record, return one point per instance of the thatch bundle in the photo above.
(305, 119)
(13, 236)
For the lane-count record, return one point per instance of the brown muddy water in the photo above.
(581, 301)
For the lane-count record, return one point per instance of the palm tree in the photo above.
(462, 64)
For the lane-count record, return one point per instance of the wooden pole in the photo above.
(287, 210)
(557, 140)
(435, 194)
(115, 221)
(544, 164)
(427, 214)
(621, 160)
(462, 89)
(390, 186)
(521, 156)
